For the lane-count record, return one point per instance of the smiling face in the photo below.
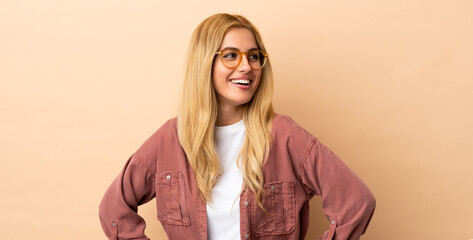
(231, 85)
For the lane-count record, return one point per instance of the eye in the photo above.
(230, 55)
(254, 56)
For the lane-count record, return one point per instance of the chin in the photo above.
(240, 102)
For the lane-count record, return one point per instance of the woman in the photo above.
(229, 167)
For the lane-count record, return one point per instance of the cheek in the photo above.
(217, 71)
(258, 76)
(216, 75)
(220, 74)
(214, 70)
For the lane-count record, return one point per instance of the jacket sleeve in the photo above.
(118, 209)
(346, 200)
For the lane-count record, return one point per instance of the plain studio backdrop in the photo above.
(387, 85)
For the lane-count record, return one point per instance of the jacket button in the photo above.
(113, 224)
(168, 177)
(272, 188)
(332, 222)
(247, 203)
(247, 235)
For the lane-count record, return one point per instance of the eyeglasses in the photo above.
(231, 58)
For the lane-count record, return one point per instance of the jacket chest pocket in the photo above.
(171, 198)
(279, 203)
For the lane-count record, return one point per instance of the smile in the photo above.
(241, 81)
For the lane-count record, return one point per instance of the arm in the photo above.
(118, 209)
(346, 200)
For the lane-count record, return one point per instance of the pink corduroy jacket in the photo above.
(298, 167)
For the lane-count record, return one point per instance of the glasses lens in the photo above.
(256, 59)
(230, 58)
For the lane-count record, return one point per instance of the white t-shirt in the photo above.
(223, 214)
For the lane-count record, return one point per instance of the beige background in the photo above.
(387, 85)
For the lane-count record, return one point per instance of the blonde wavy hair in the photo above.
(198, 110)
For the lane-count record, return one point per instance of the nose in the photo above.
(244, 64)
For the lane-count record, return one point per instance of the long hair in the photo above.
(198, 110)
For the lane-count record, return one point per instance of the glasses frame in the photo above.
(265, 55)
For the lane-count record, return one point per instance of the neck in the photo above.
(228, 115)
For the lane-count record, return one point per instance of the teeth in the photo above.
(241, 81)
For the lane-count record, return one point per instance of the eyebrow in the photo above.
(234, 48)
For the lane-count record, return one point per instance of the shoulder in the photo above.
(288, 135)
(165, 137)
(290, 142)
(285, 127)
(165, 134)
(166, 130)
(169, 125)
(284, 121)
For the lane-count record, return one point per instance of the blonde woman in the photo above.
(228, 167)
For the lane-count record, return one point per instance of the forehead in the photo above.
(241, 38)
